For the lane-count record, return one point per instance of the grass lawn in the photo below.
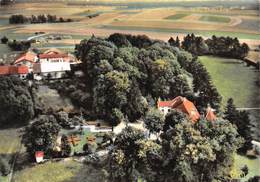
(50, 171)
(218, 19)
(233, 79)
(9, 141)
(252, 164)
(177, 16)
(9, 145)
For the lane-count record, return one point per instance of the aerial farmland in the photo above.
(127, 77)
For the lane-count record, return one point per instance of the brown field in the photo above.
(254, 55)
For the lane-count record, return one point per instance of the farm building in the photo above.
(51, 69)
(55, 55)
(27, 59)
(20, 71)
(184, 105)
(52, 63)
(179, 103)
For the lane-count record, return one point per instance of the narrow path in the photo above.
(13, 163)
(248, 108)
(36, 36)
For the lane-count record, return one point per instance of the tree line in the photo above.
(218, 46)
(17, 45)
(21, 19)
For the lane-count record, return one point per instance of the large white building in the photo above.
(51, 70)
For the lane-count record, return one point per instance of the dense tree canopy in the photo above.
(123, 71)
(242, 121)
(41, 134)
(219, 46)
(17, 102)
(185, 152)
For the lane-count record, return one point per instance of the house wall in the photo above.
(51, 67)
(51, 60)
(165, 110)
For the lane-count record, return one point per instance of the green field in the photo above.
(50, 171)
(218, 19)
(9, 145)
(252, 164)
(233, 79)
(9, 141)
(177, 16)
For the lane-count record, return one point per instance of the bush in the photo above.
(4, 166)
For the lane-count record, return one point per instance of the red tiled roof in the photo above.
(182, 104)
(210, 116)
(13, 70)
(49, 56)
(28, 56)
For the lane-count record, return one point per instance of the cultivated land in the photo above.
(159, 23)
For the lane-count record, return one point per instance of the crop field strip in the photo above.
(219, 19)
(177, 16)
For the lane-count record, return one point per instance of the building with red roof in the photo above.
(210, 116)
(8, 70)
(28, 59)
(55, 55)
(181, 104)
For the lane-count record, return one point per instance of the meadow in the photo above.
(233, 79)
(51, 171)
(253, 165)
(10, 144)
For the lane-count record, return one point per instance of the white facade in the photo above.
(51, 67)
(52, 70)
(165, 110)
(51, 60)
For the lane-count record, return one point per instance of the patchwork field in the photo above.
(164, 22)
